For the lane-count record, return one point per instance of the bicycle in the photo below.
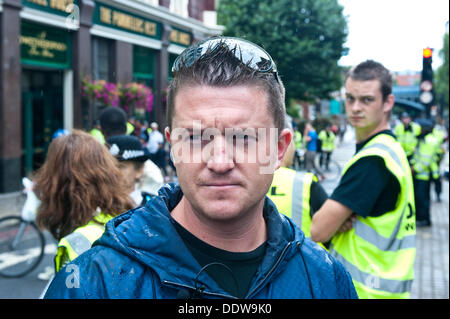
(22, 244)
(334, 170)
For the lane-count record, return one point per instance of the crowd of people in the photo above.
(231, 228)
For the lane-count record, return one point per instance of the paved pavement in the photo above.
(432, 260)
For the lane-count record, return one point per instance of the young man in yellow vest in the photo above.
(297, 195)
(371, 214)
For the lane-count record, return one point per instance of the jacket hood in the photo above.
(147, 235)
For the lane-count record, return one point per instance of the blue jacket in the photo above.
(312, 144)
(141, 255)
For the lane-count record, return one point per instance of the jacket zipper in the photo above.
(270, 271)
(166, 282)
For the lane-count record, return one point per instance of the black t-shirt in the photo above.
(368, 188)
(317, 198)
(242, 265)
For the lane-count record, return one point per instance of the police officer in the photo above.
(370, 215)
(328, 145)
(407, 133)
(425, 167)
(439, 135)
(97, 133)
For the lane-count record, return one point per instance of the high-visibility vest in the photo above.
(95, 132)
(379, 252)
(408, 139)
(327, 140)
(290, 191)
(80, 240)
(298, 140)
(425, 159)
(130, 128)
(439, 136)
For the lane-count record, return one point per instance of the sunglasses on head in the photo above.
(245, 51)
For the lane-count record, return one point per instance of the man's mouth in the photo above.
(221, 185)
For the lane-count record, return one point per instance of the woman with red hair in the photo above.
(81, 188)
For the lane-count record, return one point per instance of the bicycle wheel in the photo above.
(21, 246)
(333, 172)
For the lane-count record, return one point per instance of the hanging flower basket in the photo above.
(101, 92)
(137, 96)
(133, 97)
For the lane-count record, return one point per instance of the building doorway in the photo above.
(42, 114)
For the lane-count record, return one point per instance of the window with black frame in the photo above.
(101, 59)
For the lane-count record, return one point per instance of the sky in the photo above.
(394, 32)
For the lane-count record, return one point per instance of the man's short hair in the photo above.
(372, 70)
(219, 67)
(113, 121)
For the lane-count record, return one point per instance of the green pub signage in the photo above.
(180, 37)
(45, 46)
(59, 7)
(121, 20)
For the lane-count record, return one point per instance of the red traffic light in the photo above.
(427, 52)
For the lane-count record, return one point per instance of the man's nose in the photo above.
(221, 160)
(355, 107)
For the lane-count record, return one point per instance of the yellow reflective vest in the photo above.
(408, 139)
(130, 128)
(95, 132)
(379, 252)
(298, 140)
(327, 140)
(425, 159)
(440, 138)
(80, 240)
(290, 191)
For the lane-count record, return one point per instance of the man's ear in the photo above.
(389, 103)
(167, 134)
(284, 140)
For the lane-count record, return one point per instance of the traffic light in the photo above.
(427, 53)
(426, 83)
(427, 70)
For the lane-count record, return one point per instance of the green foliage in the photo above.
(442, 74)
(304, 37)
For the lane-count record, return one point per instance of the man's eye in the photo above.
(349, 98)
(368, 100)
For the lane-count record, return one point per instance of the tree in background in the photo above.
(304, 37)
(441, 76)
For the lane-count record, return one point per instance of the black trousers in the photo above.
(422, 199)
(437, 186)
(325, 159)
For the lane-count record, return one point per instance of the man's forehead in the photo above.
(367, 87)
(235, 106)
(221, 123)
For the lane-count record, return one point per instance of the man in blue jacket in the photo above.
(215, 235)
